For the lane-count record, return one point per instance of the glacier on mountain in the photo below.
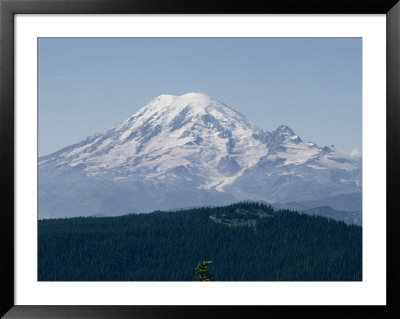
(189, 150)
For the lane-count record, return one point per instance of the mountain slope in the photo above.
(188, 150)
(348, 217)
(345, 202)
(245, 241)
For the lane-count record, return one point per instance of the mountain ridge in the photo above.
(245, 241)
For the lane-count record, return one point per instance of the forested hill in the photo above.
(245, 241)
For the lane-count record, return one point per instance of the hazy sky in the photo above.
(313, 85)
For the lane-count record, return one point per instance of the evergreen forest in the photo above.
(245, 241)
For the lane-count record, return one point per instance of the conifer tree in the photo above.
(202, 271)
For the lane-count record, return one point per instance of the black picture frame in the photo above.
(8, 8)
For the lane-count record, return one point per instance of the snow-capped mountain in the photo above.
(189, 150)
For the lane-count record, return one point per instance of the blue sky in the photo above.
(313, 85)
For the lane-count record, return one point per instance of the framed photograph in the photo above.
(147, 146)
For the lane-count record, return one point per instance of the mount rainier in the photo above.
(185, 151)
